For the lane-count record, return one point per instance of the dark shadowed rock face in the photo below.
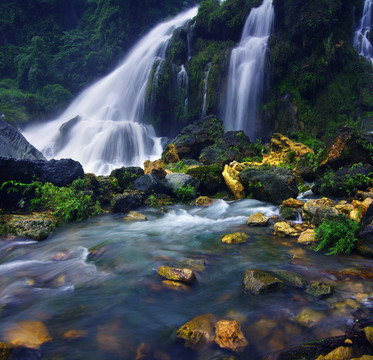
(58, 172)
(14, 145)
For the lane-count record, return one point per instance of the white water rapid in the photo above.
(110, 131)
(246, 73)
(361, 41)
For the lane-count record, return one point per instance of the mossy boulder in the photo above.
(210, 177)
(177, 274)
(319, 290)
(289, 213)
(126, 176)
(257, 281)
(34, 226)
(199, 332)
(290, 278)
(268, 183)
(257, 219)
(127, 201)
(150, 184)
(235, 238)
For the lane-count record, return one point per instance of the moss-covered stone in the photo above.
(257, 281)
(235, 238)
(177, 274)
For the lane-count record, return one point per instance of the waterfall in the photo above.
(205, 80)
(182, 86)
(246, 73)
(105, 122)
(361, 41)
(190, 39)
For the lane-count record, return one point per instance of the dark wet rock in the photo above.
(290, 278)
(65, 131)
(58, 172)
(288, 213)
(305, 169)
(347, 147)
(14, 145)
(210, 177)
(176, 181)
(234, 146)
(345, 181)
(268, 183)
(35, 226)
(150, 184)
(126, 176)
(365, 243)
(320, 290)
(127, 201)
(177, 274)
(198, 135)
(257, 281)
(324, 212)
(199, 332)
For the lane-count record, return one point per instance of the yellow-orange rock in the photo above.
(135, 216)
(228, 335)
(340, 353)
(235, 238)
(30, 334)
(231, 177)
(171, 156)
(369, 333)
(283, 229)
(155, 168)
(365, 205)
(204, 201)
(177, 274)
(199, 332)
(293, 203)
(74, 334)
(257, 219)
(307, 237)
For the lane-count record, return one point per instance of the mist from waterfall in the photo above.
(361, 41)
(103, 128)
(246, 73)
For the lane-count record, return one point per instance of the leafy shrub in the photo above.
(337, 235)
(327, 182)
(354, 183)
(186, 192)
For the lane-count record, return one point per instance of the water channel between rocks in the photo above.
(116, 300)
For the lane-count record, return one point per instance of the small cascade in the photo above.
(361, 40)
(108, 130)
(190, 39)
(182, 86)
(207, 72)
(246, 73)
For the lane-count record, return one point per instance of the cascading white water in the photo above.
(110, 132)
(182, 85)
(246, 72)
(361, 41)
(205, 80)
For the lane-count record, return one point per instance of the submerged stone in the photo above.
(228, 335)
(309, 318)
(257, 281)
(257, 219)
(135, 216)
(235, 238)
(146, 352)
(30, 334)
(177, 274)
(319, 290)
(199, 332)
(290, 278)
(340, 353)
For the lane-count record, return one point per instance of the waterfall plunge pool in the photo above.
(113, 299)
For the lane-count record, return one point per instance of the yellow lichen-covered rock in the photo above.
(308, 317)
(231, 177)
(135, 216)
(307, 237)
(228, 335)
(293, 203)
(177, 274)
(364, 357)
(340, 353)
(155, 168)
(204, 201)
(4, 351)
(171, 155)
(369, 333)
(30, 334)
(235, 238)
(199, 332)
(344, 207)
(283, 229)
(284, 150)
(257, 219)
(365, 205)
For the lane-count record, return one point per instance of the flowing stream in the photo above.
(361, 40)
(103, 128)
(246, 73)
(112, 299)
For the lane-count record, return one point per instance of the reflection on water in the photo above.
(103, 304)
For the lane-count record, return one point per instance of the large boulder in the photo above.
(14, 145)
(198, 135)
(127, 201)
(231, 175)
(149, 184)
(210, 177)
(234, 146)
(177, 181)
(58, 172)
(269, 184)
(126, 176)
